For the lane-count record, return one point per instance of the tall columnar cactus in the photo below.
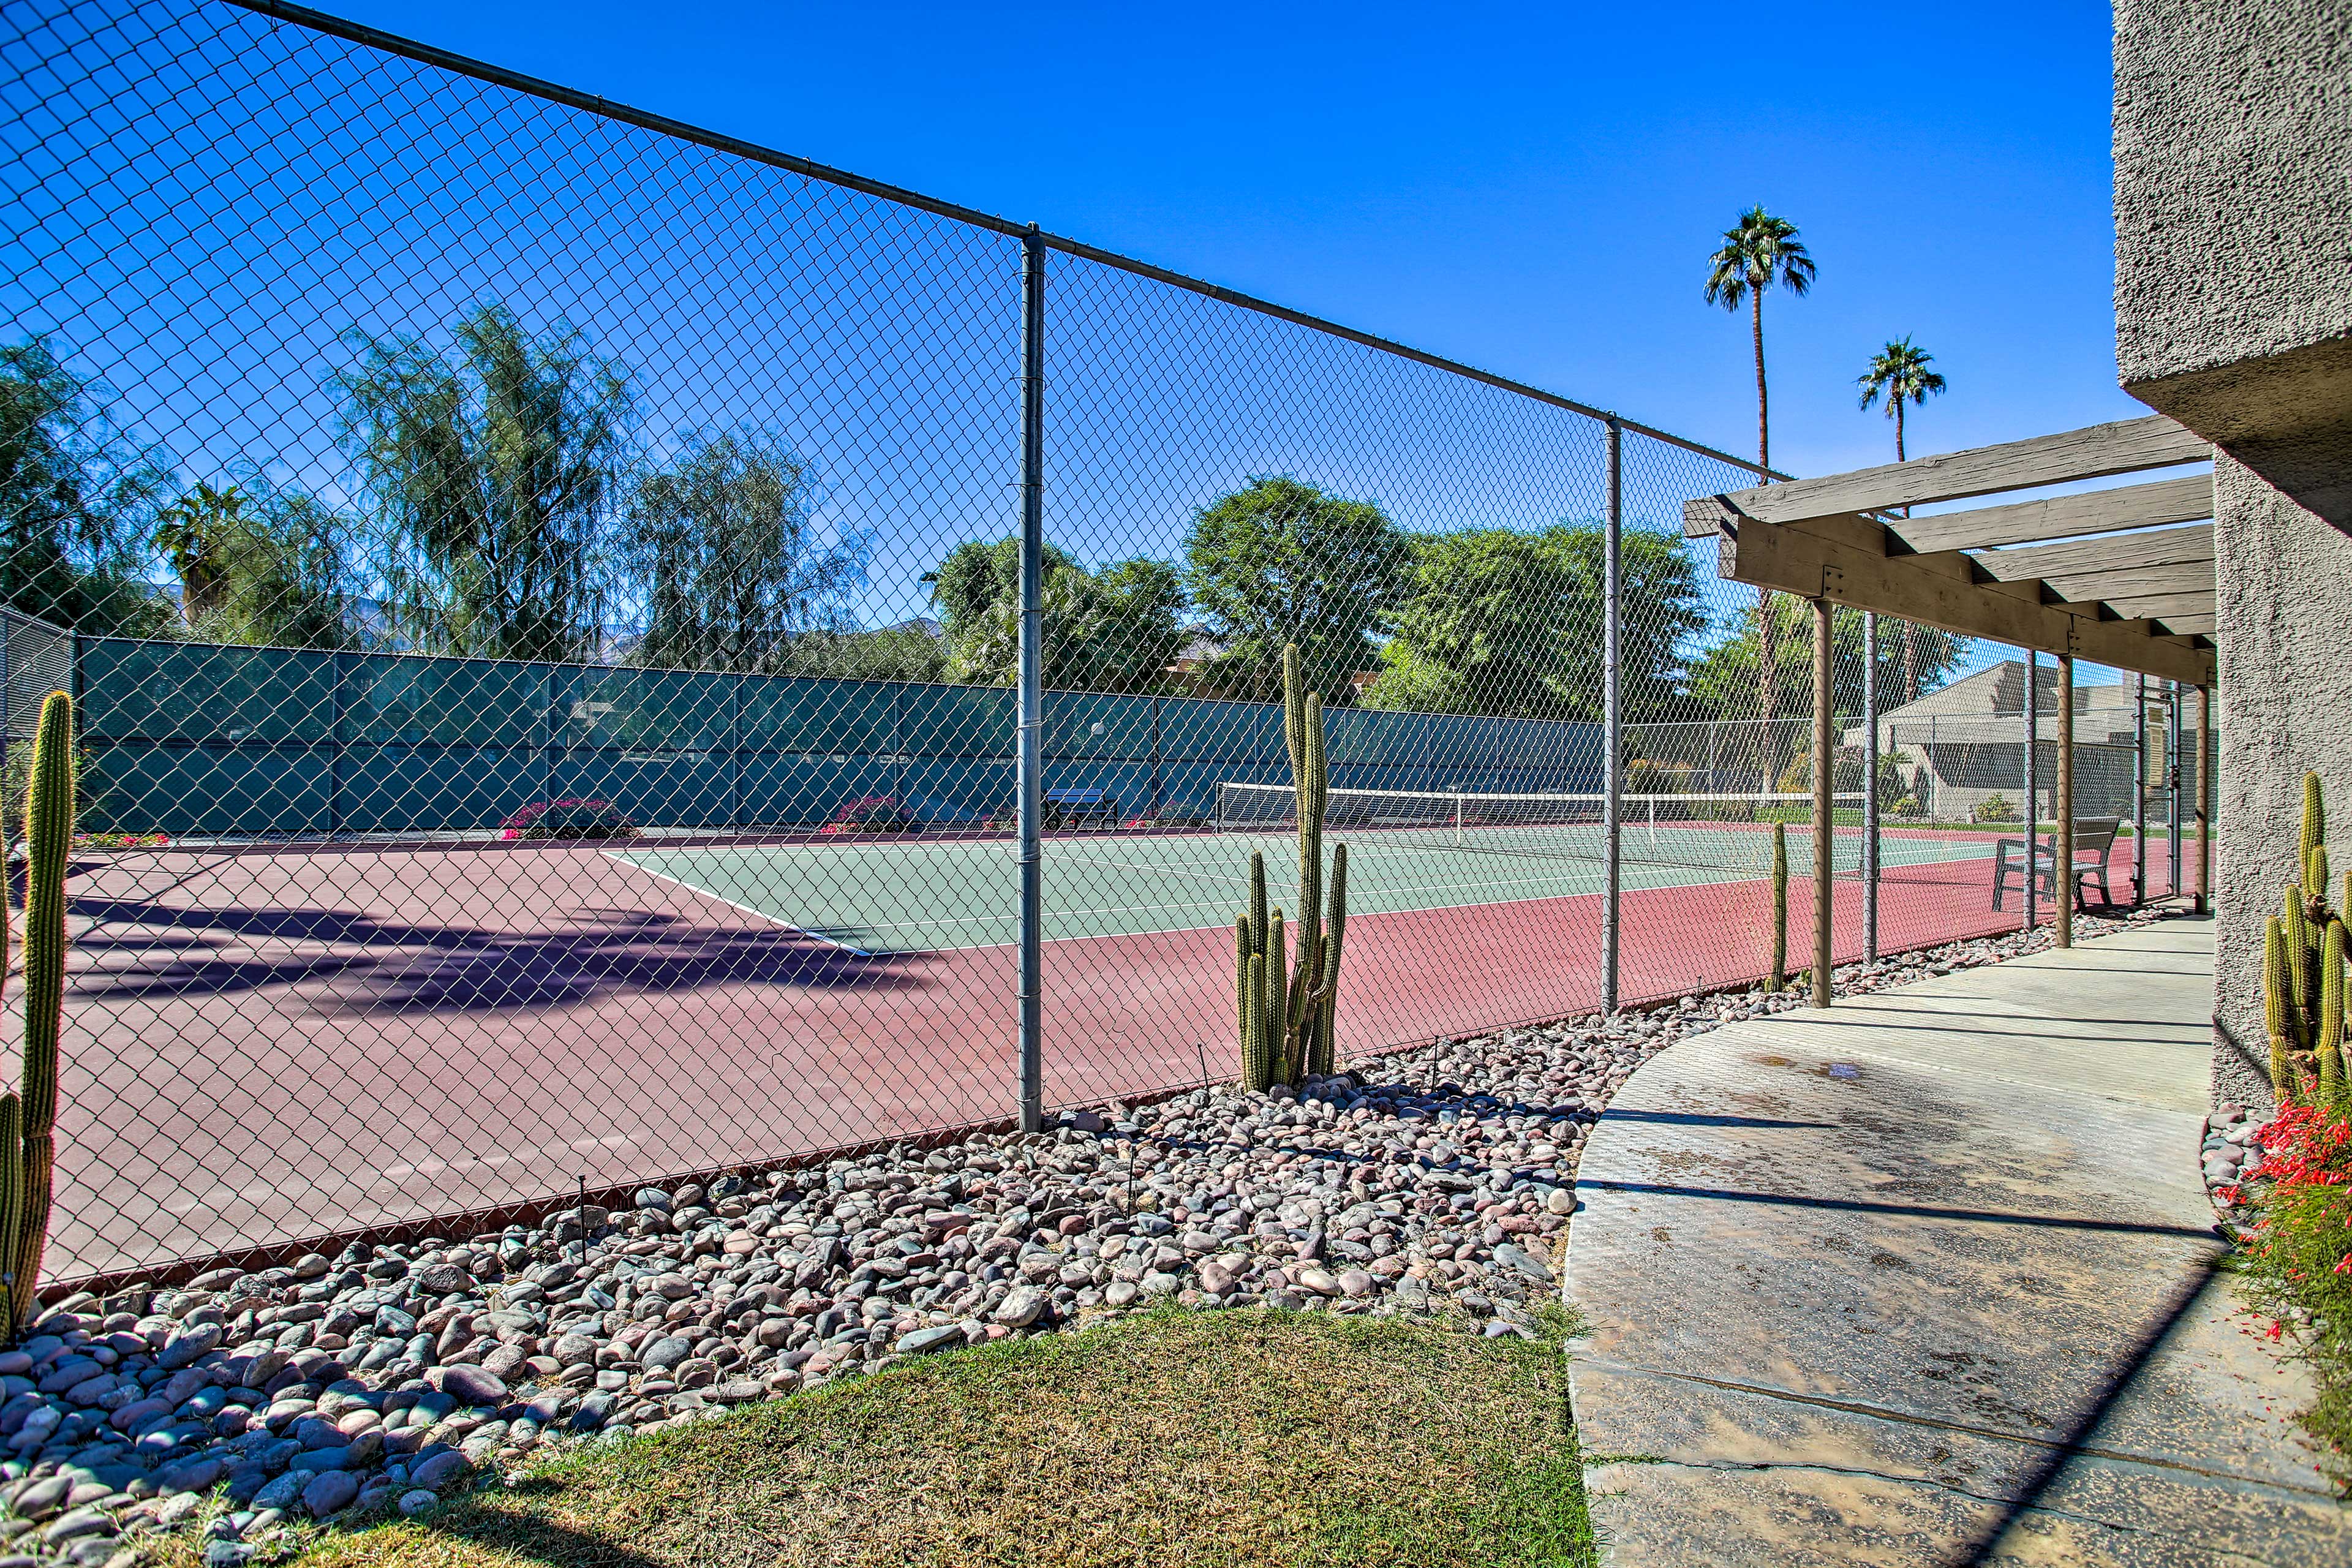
(1779, 906)
(2304, 950)
(1286, 1010)
(28, 1123)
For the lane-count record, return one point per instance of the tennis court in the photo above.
(269, 1042)
(900, 898)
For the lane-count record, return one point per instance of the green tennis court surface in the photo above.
(930, 896)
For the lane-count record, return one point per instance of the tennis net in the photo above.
(1711, 831)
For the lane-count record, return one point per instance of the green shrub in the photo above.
(1993, 808)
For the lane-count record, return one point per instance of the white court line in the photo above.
(746, 908)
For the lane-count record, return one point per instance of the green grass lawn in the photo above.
(1175, 1440)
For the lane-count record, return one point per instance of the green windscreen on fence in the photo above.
(198, 738)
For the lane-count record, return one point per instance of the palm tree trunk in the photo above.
(1768, 651)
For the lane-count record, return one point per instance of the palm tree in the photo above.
(1899, 372)
(1758, 251)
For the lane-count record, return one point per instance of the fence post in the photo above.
(1612, 716)
(2032, 757)
(1032, 698)
(2172, 789)
(1870, 786)
(1824, 804)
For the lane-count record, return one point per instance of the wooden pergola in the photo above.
(2121, 576)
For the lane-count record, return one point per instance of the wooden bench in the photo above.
(2094, 837)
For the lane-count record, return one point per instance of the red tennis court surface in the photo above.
(263, 1046)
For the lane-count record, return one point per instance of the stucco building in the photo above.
(2233, 315)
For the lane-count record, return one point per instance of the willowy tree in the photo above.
(78, 502)
(1899, 374)
(734, 570)
(495, 464)
(1281, 562)
(1760, 252)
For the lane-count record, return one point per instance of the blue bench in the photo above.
(1077, 807)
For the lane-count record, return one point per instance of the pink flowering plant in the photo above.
(2297, 1259)
(568, 819)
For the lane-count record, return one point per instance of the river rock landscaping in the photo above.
(1435, 1178)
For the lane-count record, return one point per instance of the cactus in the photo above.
(2330, 1046)
(1779, 906)
(28, 1123)
(2298, 966)
(1285, 1010)
(2314, 823)
(2274, 1011)
(2304, 951)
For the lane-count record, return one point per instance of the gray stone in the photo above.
(1526, 1263)
(664, 1354)
(75, 1525)
(440, 1470)
(418, 1503)
(195, 1474)
(473, 1385)
(186, 1345)
(924, 1342)
(330, 1492)
(443, 1279)
(1022, 1306)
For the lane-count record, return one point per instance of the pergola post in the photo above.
(1824, 866)
(2063, 861)
(2139, 797)
(1870, 786)
(2204, 797)
(2033, 813)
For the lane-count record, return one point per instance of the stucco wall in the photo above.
(2233, 173)
(2233, 314)
(2286, 707)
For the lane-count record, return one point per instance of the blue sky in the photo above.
(1531, 189)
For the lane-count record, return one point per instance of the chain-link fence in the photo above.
(545, 592)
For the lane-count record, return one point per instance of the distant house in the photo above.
(1964, 744)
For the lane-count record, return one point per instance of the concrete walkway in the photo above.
(1928, 1279)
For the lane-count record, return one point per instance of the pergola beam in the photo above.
(2126, 447)
(1948, 591)
(2183, 499)
(2161, 605)
(2133, 581)
(2165, 547)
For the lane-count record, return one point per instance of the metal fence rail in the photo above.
(646, 655)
